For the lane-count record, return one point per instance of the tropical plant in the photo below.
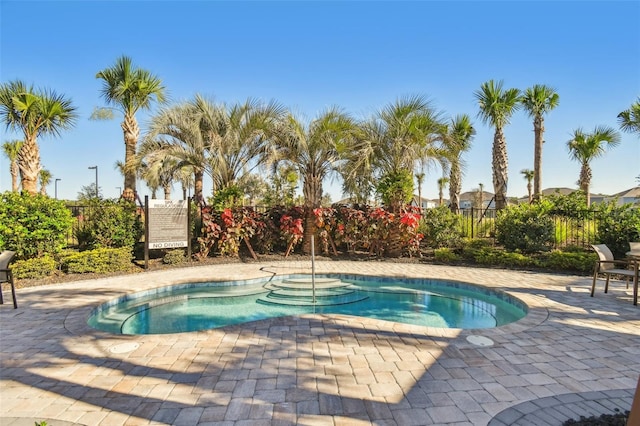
(179, 133)
(44, 177)
(442, 228)
(110, 224)
(395, 139)
(442, 182)
(538, 101)
(497, 105)
(314, 150)
(240, 141)
(457, 139)
(528, 175)
(526, 227)
(129, 89)
(11, 150)
(282, 185)
(32, 224)
(585, 147)
(36, 113)
(629, 120)
(160, 172)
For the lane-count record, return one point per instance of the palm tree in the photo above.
(314, 151)
(392, 142)
(181, 132)
(528, 175)
(130, 89)
(457, 140)
(240, 141)
(45, 179)
(442, 182)
(160, 172)
(584, 147)
(35, 113)
(538, 101)
(629, 120)
(497, 105)
(11, 150)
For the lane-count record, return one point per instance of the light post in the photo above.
(96, 169)
(55, 185)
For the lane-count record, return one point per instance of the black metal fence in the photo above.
(579, 229)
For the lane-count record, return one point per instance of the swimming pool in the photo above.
(201, 306)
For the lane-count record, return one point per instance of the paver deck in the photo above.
(572, 354)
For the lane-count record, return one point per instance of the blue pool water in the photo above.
(201, 306)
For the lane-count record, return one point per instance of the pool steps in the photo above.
(300, 292)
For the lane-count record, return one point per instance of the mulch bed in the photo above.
(618, 419)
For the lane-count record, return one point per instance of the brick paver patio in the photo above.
(572, 354)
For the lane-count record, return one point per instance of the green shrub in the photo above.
(33, 225)
(446, 255)
(525, 227)
(617, 225)
(37, 267)
(441, 228)
(497, 257)
(174, 257)
(110, 224)
(100, 261)
(569, 260)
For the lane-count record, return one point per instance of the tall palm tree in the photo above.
(11, 150)
(315, 151)
(457, 140)
(529, 175)
(130, 89)
(442, 182)
(538, 101)
(584, 147)
(497, 105)
(393, 141)
(35, 113)
(45, 179)
(629, 120)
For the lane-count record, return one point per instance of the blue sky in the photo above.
(358, 55)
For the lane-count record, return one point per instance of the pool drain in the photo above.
(479, 340)
(123, 348)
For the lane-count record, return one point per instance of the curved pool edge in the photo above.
(165, 294)
(76, 319)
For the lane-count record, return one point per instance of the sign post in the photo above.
(166, 225)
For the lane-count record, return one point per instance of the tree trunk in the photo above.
(529, 191)
(15, 171)
(131, 133)
(500, 169)
(312, 192)
(29, 164)
(198, 176)
(455, 184)
(538, 129)
(585, 181)
(167, 191)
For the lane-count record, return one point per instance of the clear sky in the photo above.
(358, 55)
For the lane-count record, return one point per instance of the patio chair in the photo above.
(608, 266)
(6, 276)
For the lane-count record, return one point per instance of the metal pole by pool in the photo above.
(313, 268)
